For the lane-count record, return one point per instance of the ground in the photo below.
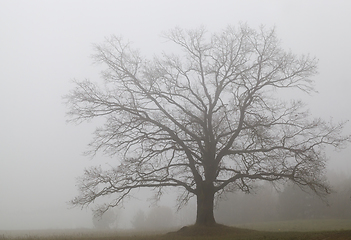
(327, 229)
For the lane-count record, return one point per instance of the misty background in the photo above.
(44, 45)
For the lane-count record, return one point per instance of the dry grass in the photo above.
(311, 225)
(218, 232)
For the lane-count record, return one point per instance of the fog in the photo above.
(45, 44)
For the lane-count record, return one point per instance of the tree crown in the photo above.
(208, 115)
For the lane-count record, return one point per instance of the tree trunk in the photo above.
(205, 202)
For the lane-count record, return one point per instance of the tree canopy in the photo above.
(207, 119)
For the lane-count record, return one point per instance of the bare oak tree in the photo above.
(206, 120)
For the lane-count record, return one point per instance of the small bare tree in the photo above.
(207, 121)
(106, 221)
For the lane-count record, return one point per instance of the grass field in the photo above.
(300, 225)
(288, 230)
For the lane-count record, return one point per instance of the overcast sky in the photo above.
(45, 44)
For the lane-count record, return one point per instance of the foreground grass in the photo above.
(253, 235)
(334, 235)
(264, 231)
(300, 225)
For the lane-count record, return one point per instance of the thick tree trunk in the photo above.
(205, 202)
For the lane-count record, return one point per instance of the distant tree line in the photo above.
(266, 204)
(288, 204)
(160, 217)
(107, 221)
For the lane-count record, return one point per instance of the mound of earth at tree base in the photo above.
(215, 230)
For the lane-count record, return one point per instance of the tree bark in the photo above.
(205, 202)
